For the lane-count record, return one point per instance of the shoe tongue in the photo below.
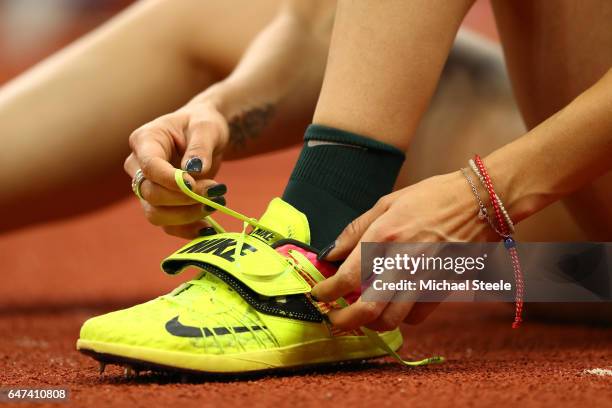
(283, 218)
(194, 292)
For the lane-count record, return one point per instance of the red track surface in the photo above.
(489, 363)
(55, 276)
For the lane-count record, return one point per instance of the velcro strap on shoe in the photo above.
(246, 258)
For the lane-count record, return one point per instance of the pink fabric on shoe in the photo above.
(327, 269)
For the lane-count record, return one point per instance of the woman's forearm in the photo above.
(285, 59)
(558, 157)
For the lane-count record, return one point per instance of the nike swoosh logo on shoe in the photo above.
(176, 328)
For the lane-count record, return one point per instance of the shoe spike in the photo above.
(128, 372)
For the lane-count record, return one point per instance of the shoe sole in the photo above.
(317, 352)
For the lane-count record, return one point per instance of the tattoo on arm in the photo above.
(249, 124)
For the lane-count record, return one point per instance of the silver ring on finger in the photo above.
(137, 182)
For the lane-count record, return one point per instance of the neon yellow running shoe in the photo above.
(248, 310)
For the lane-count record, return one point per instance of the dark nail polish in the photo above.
(325, 251)
(188, 184)
(194, 165)
(205, 232)
(216, 190)
(218, 200)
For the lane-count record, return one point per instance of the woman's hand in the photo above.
(284, 63)
(441, 208)
(192, 138)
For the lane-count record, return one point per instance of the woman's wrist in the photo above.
(231, 100)
(220, 97)
(245, 117)
(465, 207)
(522, 191)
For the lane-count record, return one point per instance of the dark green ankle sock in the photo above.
(339, 176)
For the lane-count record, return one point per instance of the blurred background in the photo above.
(33, 29)
(110, 257)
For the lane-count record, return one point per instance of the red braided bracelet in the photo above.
(489, 186)
(509, 243)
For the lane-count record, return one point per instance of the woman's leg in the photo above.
(381, 71)
(64, 124)
(556, 50)
(485, 119)
(380, 76)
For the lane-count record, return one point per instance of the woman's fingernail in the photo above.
(194, 165)
(205, 232)
(188, 184)
(216, 190)
(325, 251)
(218, 200)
